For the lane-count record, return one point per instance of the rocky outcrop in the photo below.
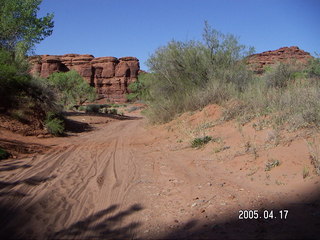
(258, 62)
(109, 75)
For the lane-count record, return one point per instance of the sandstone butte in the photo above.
(109, 75)
(258, 62)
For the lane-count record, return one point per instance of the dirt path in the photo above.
(126, 180)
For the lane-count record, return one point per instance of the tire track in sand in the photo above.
(79, 180)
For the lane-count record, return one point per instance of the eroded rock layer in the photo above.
(109, 75)
(286, 54)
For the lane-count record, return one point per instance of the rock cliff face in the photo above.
(109, 75)
(257, 62)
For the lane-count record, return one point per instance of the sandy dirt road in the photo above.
(125, 180)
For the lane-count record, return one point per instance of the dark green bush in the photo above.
(115, 105)
(14, 81)
(71, 88)
(139, 90)
(20, 92)
(54, 122)
(93, 108)
(113, 111)
(82, 108)
(54, 125)
(199, 142)
(4, 154)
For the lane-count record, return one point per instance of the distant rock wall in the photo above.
(257, 62)
(109, 75)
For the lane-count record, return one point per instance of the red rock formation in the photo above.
(109, 75)
(257, 62)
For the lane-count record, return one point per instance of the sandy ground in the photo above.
(124, 179)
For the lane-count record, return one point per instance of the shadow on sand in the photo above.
(9, 165)
(302, 222)
(22, 147)
(102, 226)
(32, 181)
(107, 115)
(72, 126)
(6, 188)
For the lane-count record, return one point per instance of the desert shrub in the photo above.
(71, 88)
(297, 105)
(139, 89)
(133, 108)
(93, 108)
(113, 111)
(313, 68)
(20, 92)
(189, 75)
(282, 74)
(314, 152)
(13, 80)
(199, 142)
(54, 124)
(4, 154)
(20, 30)
(272, 164)
(115, 105)
(82, 108)
(44, 97)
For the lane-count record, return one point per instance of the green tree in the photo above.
(189, 75)
(13, 81)
(71, 88)
(139, 89)
(20, 28)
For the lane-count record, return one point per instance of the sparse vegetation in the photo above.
(4, 154)
(133, 108)
(199, 142)
(271, 164)
(313, 69)
(220, 149)
(305, 172)
(283, 94)
(314, 151)
(186, 76)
